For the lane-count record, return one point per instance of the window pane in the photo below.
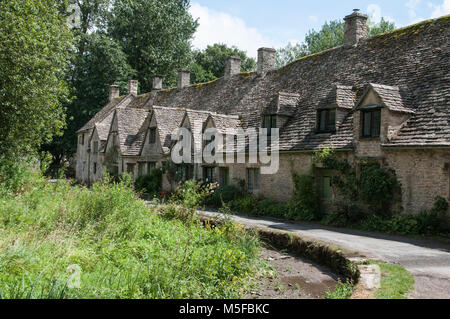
(367, 116)
(376, 123)
(274, 122)
(250, 179)
(322, 120)
(331, 123)
(256, 173)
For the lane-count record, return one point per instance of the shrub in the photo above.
(150, 184)
(224, 194)
(304, 204)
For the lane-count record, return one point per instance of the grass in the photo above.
(396, 282)
(342, 291)
(120, 247)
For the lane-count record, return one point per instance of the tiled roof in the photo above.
(129, 122)
(392, 97)
(167, 120)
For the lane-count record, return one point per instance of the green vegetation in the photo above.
(329, 36)
(209, 64)
(35, 43)
(342, 291)
(396, 282)
(150, 185)
(52, 233)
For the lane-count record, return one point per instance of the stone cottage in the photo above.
(384, 97)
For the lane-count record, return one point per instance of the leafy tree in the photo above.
(100, 64)
(34, 57)
(209, 64)
(155, 35)
(329, 36)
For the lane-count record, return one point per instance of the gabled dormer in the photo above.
(280, 110)
(379, 114)
(334, 108)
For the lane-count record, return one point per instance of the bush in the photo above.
(224, 194)
(150, 184)
(304, 204)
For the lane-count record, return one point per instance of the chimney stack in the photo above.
(266, 60)
(113, 92)
(232, 66)
(133, 87)
(355, 28)
(184, 78)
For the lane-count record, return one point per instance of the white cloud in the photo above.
(374, 12)
(313, 18)
(219, 27)
(412, 6)
(441, 10)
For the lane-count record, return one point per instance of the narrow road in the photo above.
(427, 261)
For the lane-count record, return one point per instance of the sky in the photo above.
(252, 24)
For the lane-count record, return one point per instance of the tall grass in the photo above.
(124, 249)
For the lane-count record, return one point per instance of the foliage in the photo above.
(224, 194)
(150, 184)
(329, 36)
(34, 57)
(209, 64)
(155, 35)
(98, 63)
(396, 282)
(342, 291)
(305, 200)
(124, 250)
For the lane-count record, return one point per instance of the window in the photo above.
(209, 174)
(95, 168)
(95, 147)
(184, 172)
(253, 179)
(150, 166)
(270, 122)
(152, 137)
(210, 144)
(81, 139)
(371, 123)
(224, 175)
(326, 121)
(141, 169)
(130, 168)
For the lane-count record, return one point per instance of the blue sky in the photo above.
(250, 24)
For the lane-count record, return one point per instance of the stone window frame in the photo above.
(209, 174)
(95, 168)
(327, 129)
(253, 178)
(224, 176)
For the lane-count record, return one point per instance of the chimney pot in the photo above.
(157, 82)
(266, 60)
(184, 78)
(133, 87)
(232, 66)
(355, 28)
(114, 92)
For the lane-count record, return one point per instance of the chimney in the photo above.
(157, 82)
(113, 92)
(184, 78)
(133, 87)
(355, 28)
(232, 66)
(266, 60)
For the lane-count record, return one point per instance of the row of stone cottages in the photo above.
(384, 97)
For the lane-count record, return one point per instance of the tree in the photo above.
(329, 36)
(100, 64)
(34, 58)
(209, 64)
(155, 35)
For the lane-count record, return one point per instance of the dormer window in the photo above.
(270, 122)
(371, 123)
(152, 137)
(326, 121)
